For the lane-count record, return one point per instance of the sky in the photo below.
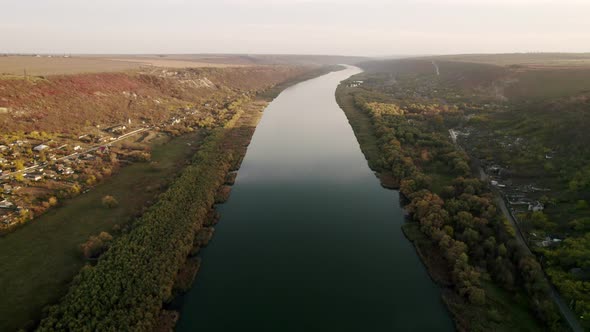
(345, 27)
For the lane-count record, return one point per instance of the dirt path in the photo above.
(436, 68)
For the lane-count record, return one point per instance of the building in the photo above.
(6, 188)
(536, 207)
(40, 147)
(34, 176)
(6, 205)
(118, 129)
(64, 170)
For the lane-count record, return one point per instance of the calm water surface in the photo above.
(309, 241)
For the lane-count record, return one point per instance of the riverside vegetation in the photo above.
(146, 254)
(147, 267)
(401, 112)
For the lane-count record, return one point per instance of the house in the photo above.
(536, 207)
(40, 147)
(6, 204)
(495, 169)
(34, 176)
(66, 171)
(118, 129)
(549, 241)
(3, 148)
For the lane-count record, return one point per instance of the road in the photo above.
(566, 312)
(436, 68)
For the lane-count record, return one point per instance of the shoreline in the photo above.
(171, 310)
(368, 143)
(466, 317)
(220, 155)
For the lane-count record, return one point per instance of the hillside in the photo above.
(103, 99)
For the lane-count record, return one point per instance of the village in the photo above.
(520, 196)
(38, 170)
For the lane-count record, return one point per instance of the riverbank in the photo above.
(490, 312)
(365, 135)
(220, 153)
(309, 240)
(166, 233)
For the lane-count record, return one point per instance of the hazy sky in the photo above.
(351, 27)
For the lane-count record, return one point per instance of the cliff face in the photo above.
(69, 103)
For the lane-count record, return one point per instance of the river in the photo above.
(309, 240)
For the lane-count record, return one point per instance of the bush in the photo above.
(581, 205)
(109, 202)
(96, 245)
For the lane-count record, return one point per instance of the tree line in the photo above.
(126, 288)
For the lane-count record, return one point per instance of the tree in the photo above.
(581, 205)
(109, 202)
(52, 201)
(74, 190)
(96, 245)
(19, 164)
(477, 296)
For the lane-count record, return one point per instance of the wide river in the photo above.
(309, 240)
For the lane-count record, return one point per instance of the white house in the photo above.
(6, 204)
(536, 207)
(40, 147)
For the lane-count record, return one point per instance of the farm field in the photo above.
(57, 65)
(541, 60)
(16, 65)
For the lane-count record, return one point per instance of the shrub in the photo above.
(109, 202)
(96, 245)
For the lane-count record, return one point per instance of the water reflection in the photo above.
(309, 241)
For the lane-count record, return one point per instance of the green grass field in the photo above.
(39, 260)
